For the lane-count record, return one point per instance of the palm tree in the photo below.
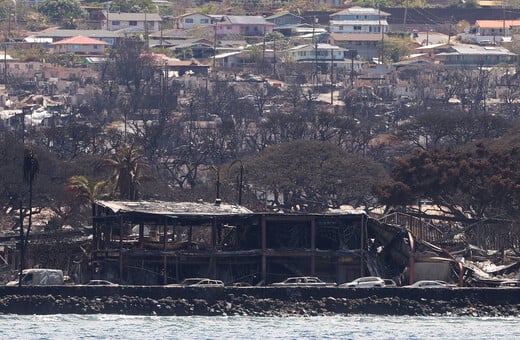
(127, 164)
(31, 167)
(86, 190)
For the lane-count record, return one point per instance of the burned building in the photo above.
(153, 242)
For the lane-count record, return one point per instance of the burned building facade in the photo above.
(155, 243)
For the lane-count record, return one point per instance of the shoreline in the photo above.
(261, 302)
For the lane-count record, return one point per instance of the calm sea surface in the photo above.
(104, 326)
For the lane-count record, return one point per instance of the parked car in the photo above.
(510, 283)
(365, 282)
(198, 282)
(39, 277)
(390, 283)
(302, 281)
(430, 284)
(100, 283)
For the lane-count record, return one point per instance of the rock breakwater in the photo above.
(245, 304)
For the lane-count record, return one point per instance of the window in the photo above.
(188, 21)
(204, 21)
(115, 23)
(132, 23)
(357, 28)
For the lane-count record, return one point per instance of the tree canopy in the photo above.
(313, 176)
(133, 6)
(62, 11)
(477, 182)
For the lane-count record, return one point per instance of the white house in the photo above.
(316, 52)
(118, 21)
(359, 20)
(190, 20)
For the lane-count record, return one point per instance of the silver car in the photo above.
(302, 281)
(365, 282)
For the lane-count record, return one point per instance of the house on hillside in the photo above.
(366, 46)
(475, 56)
(192, 48)
(150, 22)
(501, 28)
(321, 53)
(359, 20)
(191, 20)
(284, 19)
(80, 45)
(55, 35)
(242, 25)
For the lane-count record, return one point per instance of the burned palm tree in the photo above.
(31, 167)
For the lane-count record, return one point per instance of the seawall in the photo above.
(259, 301)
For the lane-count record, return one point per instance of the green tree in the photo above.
(474, 182)
(86, 190)
(62, 12)
(396, 48)
(127, 164)
(133, 6)
(312, 176)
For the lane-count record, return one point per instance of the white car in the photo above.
(430, 284)
(510, 283)
(198, 282)
(302, 281)
(365, 282)
(100, 283)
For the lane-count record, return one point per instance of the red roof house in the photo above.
(80, 45)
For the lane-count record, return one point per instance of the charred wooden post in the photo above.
(313, 246)
(264, 249)
(121, 249)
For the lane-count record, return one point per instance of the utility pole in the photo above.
(146, 33)
(331, 76)
(315, 50)
(274, 54)
(7, 38)
(381, 31)
(215, 46)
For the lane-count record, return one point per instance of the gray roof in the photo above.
(361, 11)
(174, 209)
(479, 50)
(282, 14)
(247, 20)
(62, 33)
(133, 16)
(358, 22)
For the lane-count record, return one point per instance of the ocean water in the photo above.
(103, 326)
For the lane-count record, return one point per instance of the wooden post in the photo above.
(264, 249)
(412, 258)
(165, 234)
(165, 258)
(120, 249)
(141, 235)
(213, 264)
(165, 268)
(362, 248)
(313, 246)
